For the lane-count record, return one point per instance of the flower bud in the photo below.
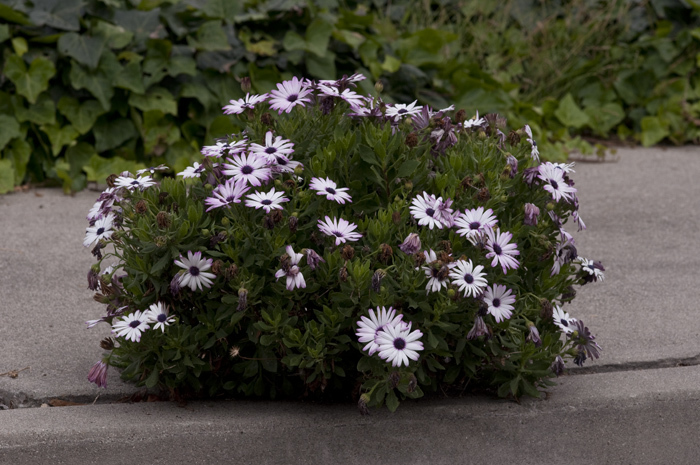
(377, 280)
(534, 335)
(293, 223)
(277, 216)
(111, 180)
(531, 214)
(299, 170)
(550, 206)
(557, 366)
(93, 280)
(163, 220)
(107, 343)
(231, 272)
(394, 379)
(385, 253)
(246, 84)
(379, 87)
(242, 299)
(451, 293)
(362, 404)
(412, 383)
(411, 244)
(268, 222)
(347, 252)
(312, 258)
(217, 267)
(175, 285)
(460, 116)
(141, 207)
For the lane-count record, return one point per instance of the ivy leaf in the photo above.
(110, 133)
(317, 36)
(157, 98)
(570, 114)
(116, 36)
(131, 78)
(85, 49)
(30, 83)
(98, 85)
(293, 41)
(82, 116)
(4, 32)
(7, 176)
(222, 9)
(98, 168)
(61, 14)
(42, 112)
(60, 136)
(141, 23)
(604, 117)
(321, 67)
(11, 14)
(19, 151)
(653, 130)
(9, 129)
(210, 37)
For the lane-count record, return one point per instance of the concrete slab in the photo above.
(44, 300)
(643, 220)
(639, 417)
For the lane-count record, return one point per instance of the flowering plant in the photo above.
(340, 244)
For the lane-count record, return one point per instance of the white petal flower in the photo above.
(195, 271)
(397, 344)
(131, 326)
(158, 314)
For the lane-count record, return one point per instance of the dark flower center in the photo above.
(281, 161)
(399, 343)
(402, 111)
(497, 249)
(564, 322)
(194, 271)
(337, 233)
(496, 303)
(434, 272)
(430, 212)
(330, 190)
(100, 231)
(266, 202)
(162, 317)
(468, 278)
(292, 98)
(135, 324)
(554, 184)
(270, 150)
(230, 198)
(134, 183)
(247, 169)
(474, 225)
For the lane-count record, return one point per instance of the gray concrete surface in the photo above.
(642, 217)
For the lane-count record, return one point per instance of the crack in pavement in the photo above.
(635, 366)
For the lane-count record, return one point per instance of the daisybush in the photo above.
(343, 246)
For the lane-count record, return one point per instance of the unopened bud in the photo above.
(293, 223)
(377, 280)
(111, 180)
(394, 379)
(246, 84)
(343, 274)
(217, 267)
(347, 252)
(379, 87)
(412, 383)
(242, 299)
(107, 343)
(141, 207)
(362, 404)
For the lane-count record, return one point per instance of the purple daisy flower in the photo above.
(236, 107)
(272, 150)
(195, 271)
(131, 184)
(474, 122)
(339, 228)
(563, 320)
(397, 344)
(289, 94)
(266, 200)
(469, 278)
(499, 301)
(192, 171)
(400, 109)
(253, 169)
(102, 229)
(501, 250)
(330, 190)
(534, 152)
(555, 184)
(431, 211)
(352, 98)
(411, 244)
(227, 194)
(291, 270)
(98, 374)
(131, 326)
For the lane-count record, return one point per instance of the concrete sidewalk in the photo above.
(642, 217)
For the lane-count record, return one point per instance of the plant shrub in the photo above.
(342, 246)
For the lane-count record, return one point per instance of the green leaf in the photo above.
(317, 36)
(293, 41)
(653, 130)
(7, 176)
(61, 14)
(408, 168)
(157, 98)
(9, 129)
(98, 168)
(13, 15)
(95, 82)
(110, 133)
(391, 64)
(321, 67)
(116, 36)
(19, 151)
(82, 116)
(29, 83)
(392, 402)
(160, 264)
(182, 65)
(222, 9)
(60, 137)
(19, 44)
(604, 117)
(42, 112)
(210, 37)
(4, 32)
(152, 379)
(352, 38)
(131, 78)
(140, 23)
(570, 114)
(85, 49)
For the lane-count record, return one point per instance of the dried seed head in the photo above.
(460, 116)
(483, 195)
(466, 183)
(547, 310)
(293, 223)
(245, 84)
(343, 274)
(446, 246)
(141, 207)
(234, 351)
(242, 299)
(394, 379)
(396, 217)
(513, 138)
(266, 119)
(277, 216)
(231, 272)
(418, 259)
(111, 180)
(216, 238)
(217, 267)
(348, 252)
(162, 197)
(412, 140)
(268, 222)
(385, 253)
(443, 272)
(412, 383)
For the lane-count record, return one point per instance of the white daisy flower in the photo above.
(594, 269)
(563, 320)
(470, 278)
(102, 229)
(352, 98)
(195, 271)
(534, 152)
(339, 228)
(284, 164)
(397, 344)
(227, 194)
(253, 169)
(158, 314)
(437, 277)
(474, 223)
(273, 149)
(289, 94)
(292, 271)
(192, 171)
(554, 182)
(236, 107)
(499, 300)
(431, 211)
(330, 190)
(501, 250)
(131, 326)
(266, 200)
(369, 328)
(474, 122)
(400, 109)
(141, 182)
(216, 151)
(152, 169)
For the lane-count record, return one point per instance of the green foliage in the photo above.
(252, 333)
(571, 68)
